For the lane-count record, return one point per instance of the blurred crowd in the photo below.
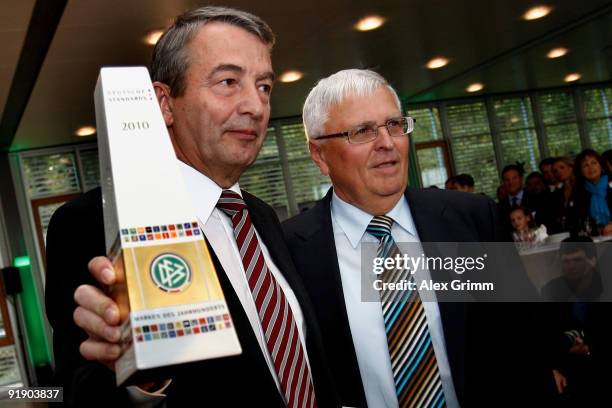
(570, 196)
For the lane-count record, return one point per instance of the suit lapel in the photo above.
(269, 229)
(428, 216)
(325, 285)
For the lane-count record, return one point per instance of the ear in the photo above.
(318, 156)
(162, 92)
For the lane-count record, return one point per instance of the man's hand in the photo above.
(560, 381)
(98, 315)
(607, 230)
(580, 347)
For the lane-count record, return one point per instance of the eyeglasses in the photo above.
(367, 132)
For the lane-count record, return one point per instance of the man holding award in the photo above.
(212, 78)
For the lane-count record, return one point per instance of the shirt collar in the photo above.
(354, 221)
(204, 192)
(519, 196)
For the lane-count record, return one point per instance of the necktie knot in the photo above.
(231, 203)
(380, 226)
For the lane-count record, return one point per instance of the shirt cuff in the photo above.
(146, 399)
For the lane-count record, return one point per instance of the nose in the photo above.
(252, 102)
(384, 140)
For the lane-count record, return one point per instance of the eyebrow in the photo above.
(239, 70)
(372, 122)
(267, 75)
(226, 67)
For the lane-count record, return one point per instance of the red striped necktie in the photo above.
(277, 321)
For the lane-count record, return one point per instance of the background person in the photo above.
(546, 168)
(593, 193)
(563, 197)
(523, 228)
(464, 182)
(577, 324)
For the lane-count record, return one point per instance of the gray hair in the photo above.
(333, 90)
(170, 58)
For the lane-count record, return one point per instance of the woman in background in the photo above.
(593, 193)
(563, 197)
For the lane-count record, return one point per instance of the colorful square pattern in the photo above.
(161, 331)
(160, 232)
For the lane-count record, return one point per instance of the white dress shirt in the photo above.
(519, 198)
(366, 318)
(218, 229)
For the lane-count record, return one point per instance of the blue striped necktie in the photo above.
(413, 361)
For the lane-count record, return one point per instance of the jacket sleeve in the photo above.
(73, 238)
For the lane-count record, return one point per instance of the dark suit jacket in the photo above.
(587, 376)
(582, 208)
(484, 353)
(76, 234)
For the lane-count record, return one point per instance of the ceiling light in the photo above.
(291, 76)
(475, 87)
(437, 62)
(557, 52)
(85, 131)
(574, 76)
(369, 23)
(536, 12)
(153, 37)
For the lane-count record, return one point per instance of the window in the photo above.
(433, 163)
(430, 146)
(308, 183)
(472, 145)
(280, 158)
(559, 118)
(265, 177)
(597, 107)
(91, 168)
(517, 134)
(51, 174)
(427, 126)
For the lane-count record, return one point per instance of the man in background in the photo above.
(464, 182)
(546, 168)
(517, 195)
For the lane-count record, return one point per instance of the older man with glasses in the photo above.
(394, 351)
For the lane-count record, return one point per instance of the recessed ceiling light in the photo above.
(437, 62)
(291, 76)
(369, 23)
(153, 37)
(85, 131)
(574, 76)
(475, 87)
(537, 12)
(557, 52)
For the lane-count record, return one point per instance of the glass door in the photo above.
(434, 163)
